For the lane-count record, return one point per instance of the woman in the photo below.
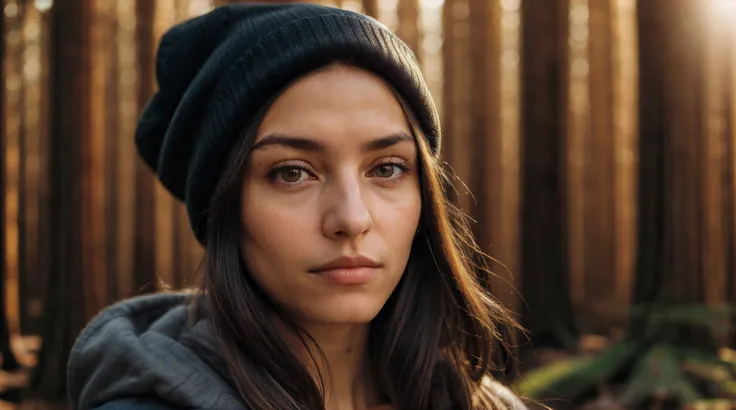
(305, 145)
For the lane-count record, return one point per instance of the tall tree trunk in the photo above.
(731, 148)
(22, 146)
(9, 361)
(577, 132)
(108, 78)
(600, 207)
(544, 238)
(625, 125)
(144, 270)
(409, 29)
(180, 255)
(683, 183)
(714, 187)
(483, 153)
(456, 95)
(32, 188)
(71, 266)
(493, 154)
(684, 198)
(124, 120)
(651, 150)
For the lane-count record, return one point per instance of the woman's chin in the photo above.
(355, 310)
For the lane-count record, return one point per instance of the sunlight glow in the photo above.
(44, 5)
(724, 11)
(431, 4)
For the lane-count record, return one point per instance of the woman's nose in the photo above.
(347, 214)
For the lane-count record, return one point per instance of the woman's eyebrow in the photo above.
(300, 143)
(308, 144)
(387, 141)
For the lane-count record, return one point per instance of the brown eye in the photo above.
(291, 174)
(384, 171)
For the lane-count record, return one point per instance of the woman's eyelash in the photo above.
(279, 171)
(398, 163)
(274, 173)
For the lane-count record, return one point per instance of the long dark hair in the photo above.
(430, 347)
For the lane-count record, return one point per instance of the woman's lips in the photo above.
(348, 270)
(348, 276)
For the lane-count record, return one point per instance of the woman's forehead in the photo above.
(335, 104)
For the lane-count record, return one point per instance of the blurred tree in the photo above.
(33, 235)
(456, 101)
(544, 255)
(74, 291)
(685, 194)
(144, 266)
(599, 176)
(680, 314)
(408, 29)
(494, 168)
(731, 148)
(9, 362)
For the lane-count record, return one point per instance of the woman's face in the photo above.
(331, 198)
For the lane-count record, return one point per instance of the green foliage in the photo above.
(538, 381)
(662, 371)
(659, 374)
(571, 378)
(729, 388)
(654, 365)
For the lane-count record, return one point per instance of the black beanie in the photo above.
(216, 71)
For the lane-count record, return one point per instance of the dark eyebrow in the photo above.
(387, 141)
(306, 144)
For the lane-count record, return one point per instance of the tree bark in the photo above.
(9, 361)
(108, 75)
(544, 256)
(731, 148)
(32, 266)
(600, 207)
(685, 193)
(456, 112)
(625, 124)
(484, 150)
(493, 153)
(409, 30)
(144, 270)
(71, 270)
(123, 123)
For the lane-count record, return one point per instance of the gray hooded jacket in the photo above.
(143, 353)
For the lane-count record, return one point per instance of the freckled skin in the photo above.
(341, 200)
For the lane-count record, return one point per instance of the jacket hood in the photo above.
(145, 347)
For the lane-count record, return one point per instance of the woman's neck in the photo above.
(343, 364)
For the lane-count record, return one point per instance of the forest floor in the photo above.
(588, 346)
(607, 395)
